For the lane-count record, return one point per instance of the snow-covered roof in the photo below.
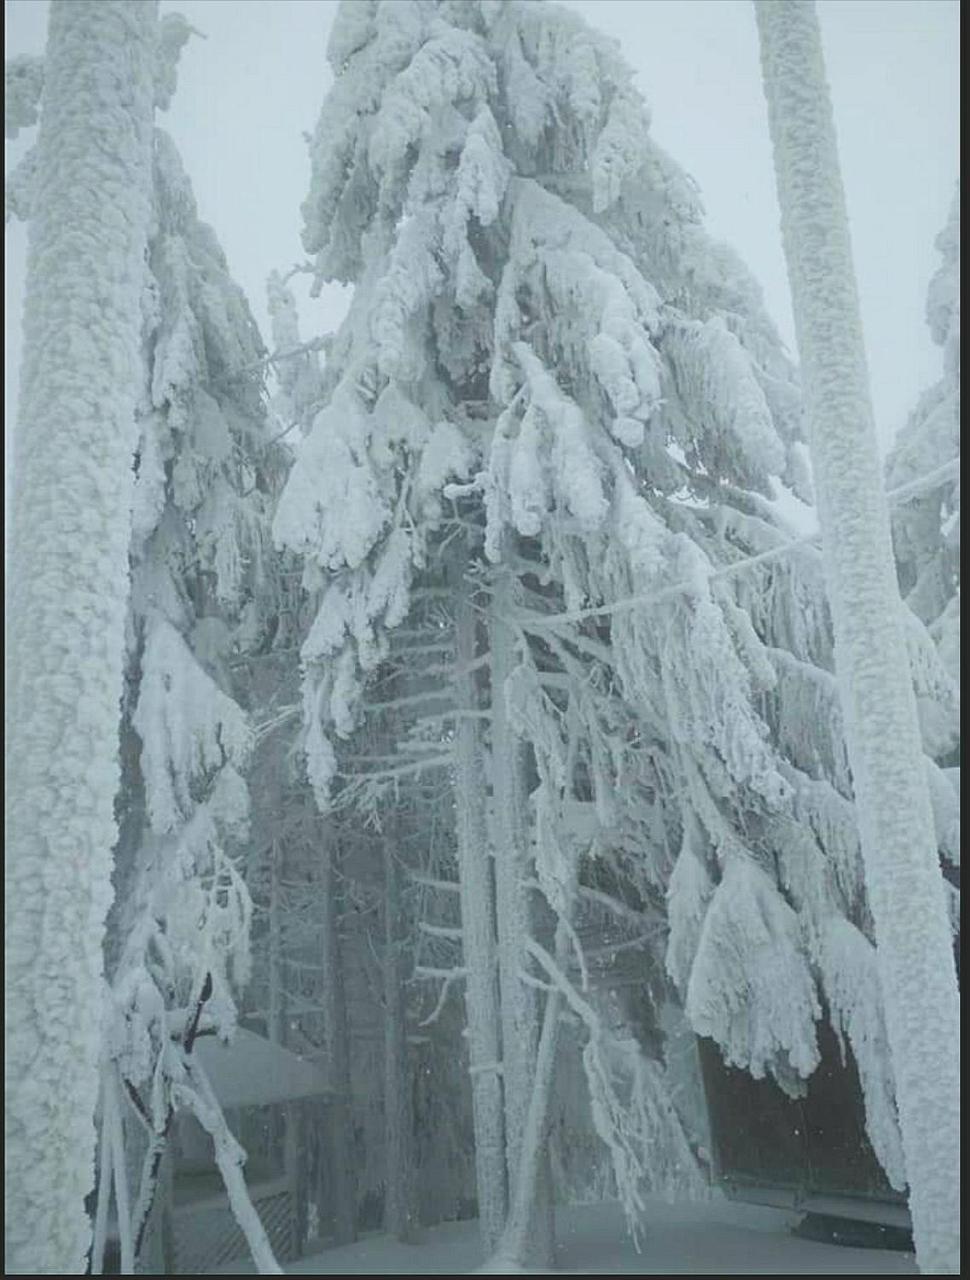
(252, 1071)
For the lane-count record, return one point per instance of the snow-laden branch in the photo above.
(431, 974)
(196, 1095)
(539, 622)
(440, 931)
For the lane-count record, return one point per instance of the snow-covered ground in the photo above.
(717, 1237)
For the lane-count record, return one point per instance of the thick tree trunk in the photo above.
(478, 940)
(399, 1216)
(526, 1211)
(519, 1007)
(895, 818)
(67, 596)
(339, 1152)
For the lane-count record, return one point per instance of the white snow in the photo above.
(67, 595)
(253, 1071)
(23, 85)
(894, 812)
(717, 1237)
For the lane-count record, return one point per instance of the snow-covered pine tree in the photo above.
(449, 451)
(554, 393)
(295, 363)
(314, 900)
(88, 189)
(923, 477)
(894, 812)
(346, 870)
(926, 521)
(204, 596)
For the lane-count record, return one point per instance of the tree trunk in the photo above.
(276, 1014)
(398, 1121)
(67, 598)
(274, 1017)
(519, 1007)
(525, 1210)
(478, 940)
(903, 877)
(339, 1131)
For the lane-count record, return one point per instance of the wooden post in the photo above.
(166, 1223)
(398, 1122)
(291, 1162)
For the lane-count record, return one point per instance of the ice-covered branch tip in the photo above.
(173, 32)
(23, 83)
(18, 190)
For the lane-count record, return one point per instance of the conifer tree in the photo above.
(204, 592)
(556, 402)
(923, 478)
(926, 521)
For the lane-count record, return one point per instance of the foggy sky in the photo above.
(249, 91)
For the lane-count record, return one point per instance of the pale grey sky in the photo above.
(249, 91)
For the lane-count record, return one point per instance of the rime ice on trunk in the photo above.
(517, 1246)
(519, 1014)
(478, 942)
(518, 1002)
(893, 804)
(67, 596)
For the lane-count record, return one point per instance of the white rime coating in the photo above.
(892, 798)
(750, 987)
(550, 369)
(478, 948)
(67, 595)
(23, 83)
(204, 592)
(926, 525)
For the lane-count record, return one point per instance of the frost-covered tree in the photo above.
(205, 595)
(458, 185)
(558, 403)
(926, 522)
(922, 474)
(893, 802)
(296, 363)
(67, 596)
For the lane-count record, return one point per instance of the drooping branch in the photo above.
(151, 1167)
(198, 1097)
